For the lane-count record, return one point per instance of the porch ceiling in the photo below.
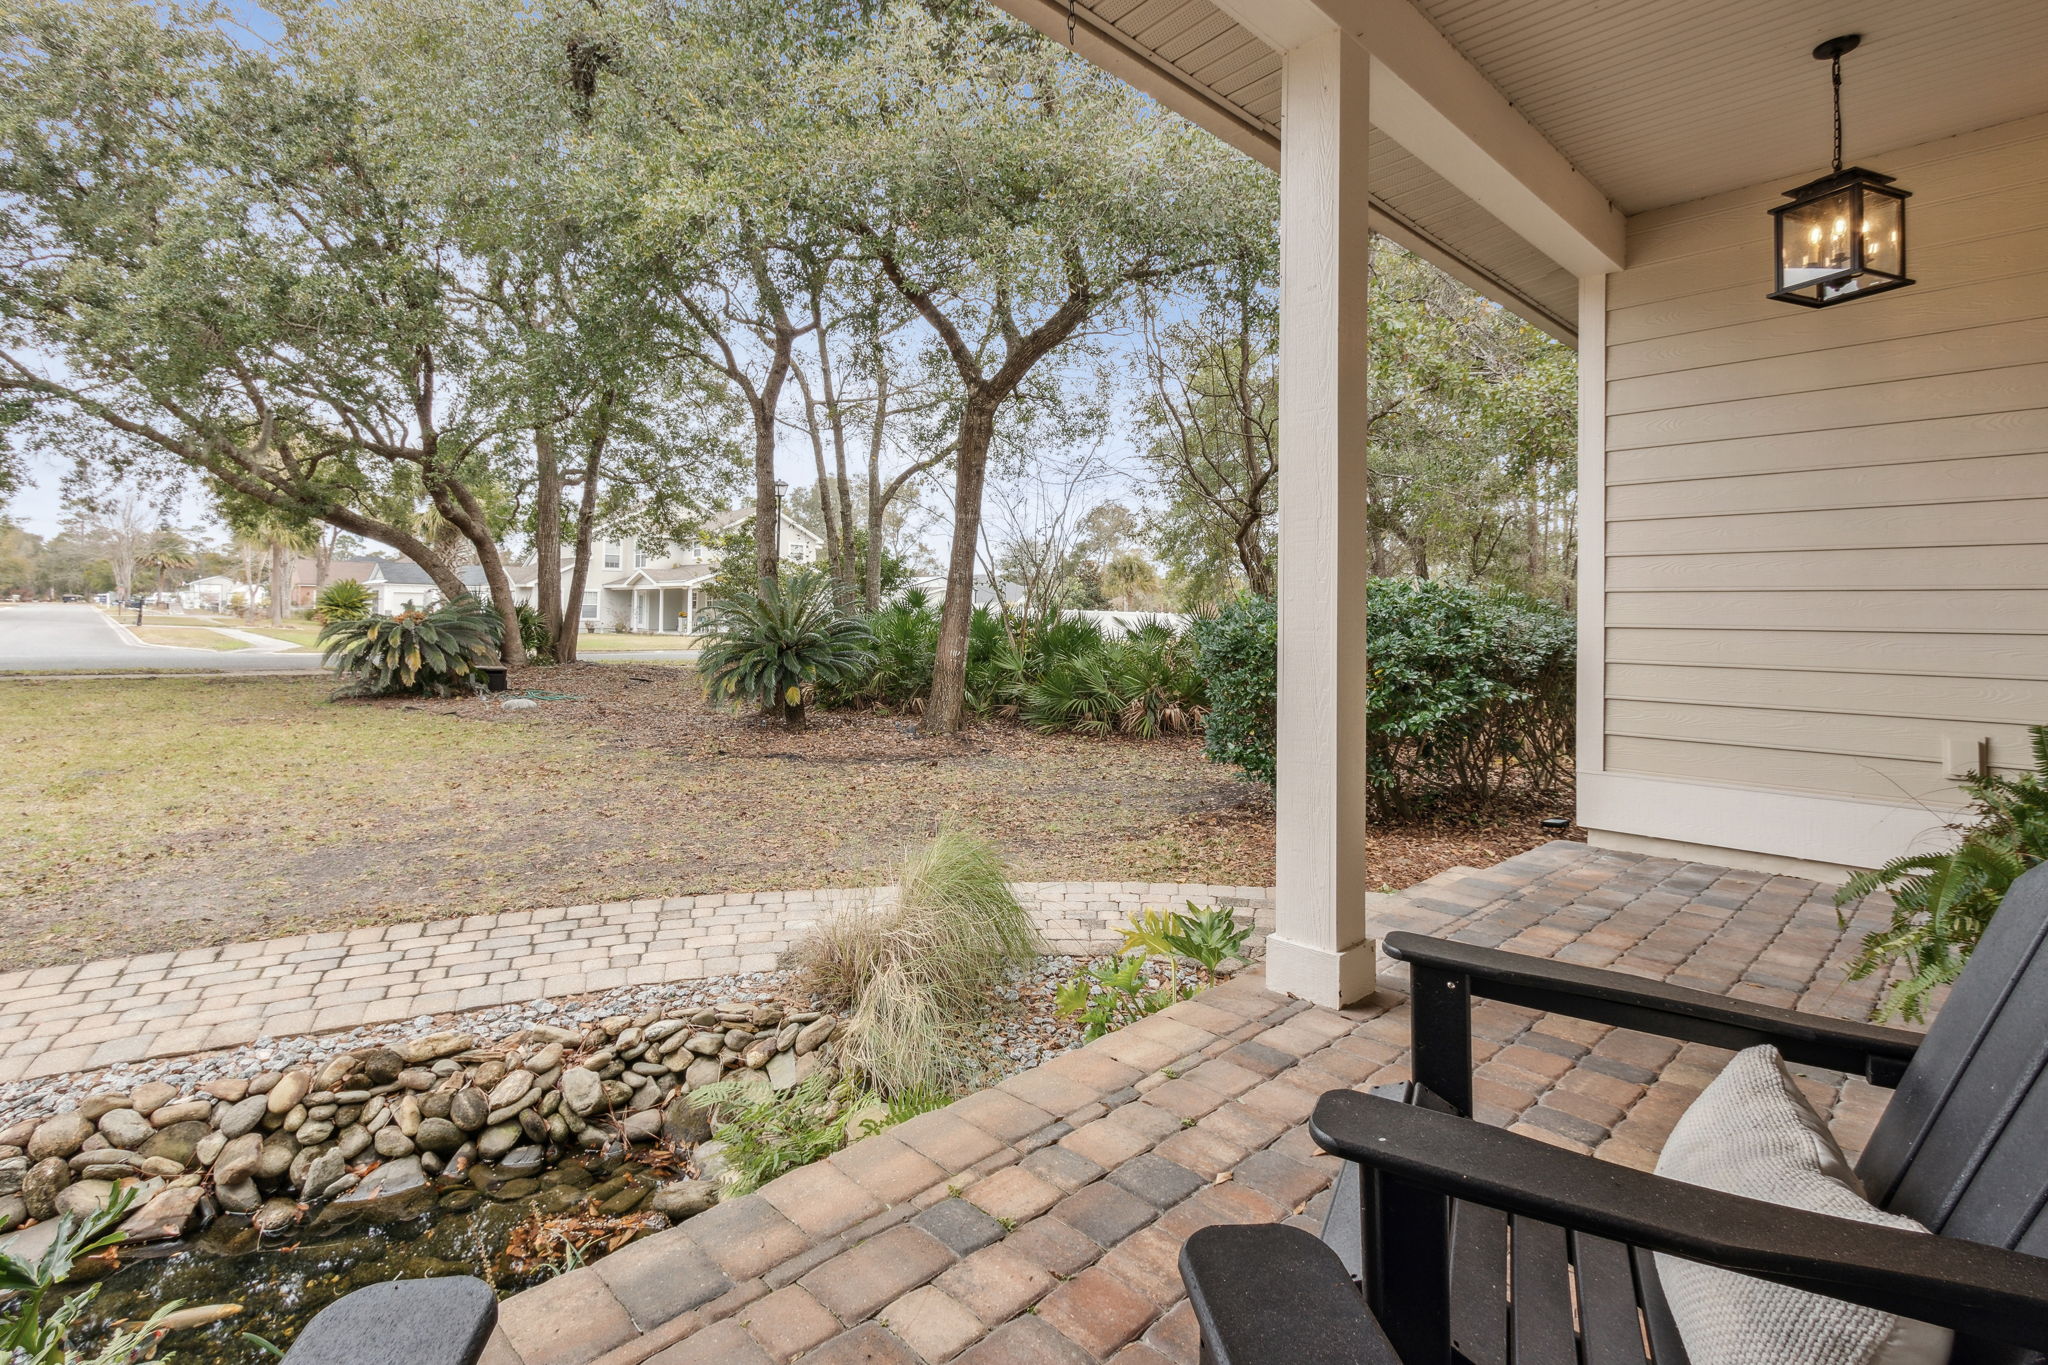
(1655, 102)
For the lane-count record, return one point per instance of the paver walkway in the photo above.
(55, 1020)
(1041, 1221)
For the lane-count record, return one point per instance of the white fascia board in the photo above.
(1103, 47)
(1432, 101)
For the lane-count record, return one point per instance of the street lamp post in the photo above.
(781, 487)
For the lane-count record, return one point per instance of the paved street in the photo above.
(78, 638)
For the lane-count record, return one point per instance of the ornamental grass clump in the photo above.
(917, 974)
(415, 653)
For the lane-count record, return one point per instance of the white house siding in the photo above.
(1820, 548)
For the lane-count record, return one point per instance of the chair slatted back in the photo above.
(1963, 1145)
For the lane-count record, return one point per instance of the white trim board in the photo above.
(1591, 509)
(1822, 829)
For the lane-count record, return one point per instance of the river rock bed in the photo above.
(382, 1120)
(283, 1125)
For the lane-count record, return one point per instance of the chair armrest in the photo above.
(445, 1321)
(1983, 1291)
(1268, 1294)
(1879, 1054)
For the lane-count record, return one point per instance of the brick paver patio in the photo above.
(1041, 1221)
(55, 1020)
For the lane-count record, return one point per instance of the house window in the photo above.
(639, 558)
(590, 611)
(611, 554)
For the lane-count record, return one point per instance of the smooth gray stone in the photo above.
(402, 1322)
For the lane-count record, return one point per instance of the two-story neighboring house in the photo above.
(658, 588)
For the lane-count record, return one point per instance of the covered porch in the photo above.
(663, 601)
(1813, 577)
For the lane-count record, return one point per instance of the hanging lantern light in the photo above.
(1843, 236)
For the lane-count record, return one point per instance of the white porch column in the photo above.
(1319, 950)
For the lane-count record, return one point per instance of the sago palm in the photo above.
(768, 646)
(434, 653)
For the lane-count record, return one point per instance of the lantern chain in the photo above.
(1838, 97)
(1070, 44)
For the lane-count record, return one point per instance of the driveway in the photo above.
(78, 638)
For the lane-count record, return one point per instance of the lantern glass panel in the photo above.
(1884, 232)
(1816, 241)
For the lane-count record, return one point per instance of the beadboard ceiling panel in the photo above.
(1656, 102)
(1662, 101)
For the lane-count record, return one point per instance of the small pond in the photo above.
(487, 1224)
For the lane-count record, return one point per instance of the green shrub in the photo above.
(1469, 690)
(1055, 672)
(1942, 902)
(769, 645)
(1238, 654)
(342, 600)
(903, 642)
(918, 973)
(1158, 676)
(533, 635)
(423, 653)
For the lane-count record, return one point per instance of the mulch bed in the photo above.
(641, 705)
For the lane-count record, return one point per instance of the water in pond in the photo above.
(281, 1282)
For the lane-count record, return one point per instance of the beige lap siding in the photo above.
(1825, 532)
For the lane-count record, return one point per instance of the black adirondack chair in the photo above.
(1475, 1245)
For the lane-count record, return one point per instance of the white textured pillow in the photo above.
(1752, 1133)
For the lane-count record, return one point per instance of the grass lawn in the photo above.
(304, 636)
(139, 815)
(188, 637)
(152, 617)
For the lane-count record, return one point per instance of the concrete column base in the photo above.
(1336, 979)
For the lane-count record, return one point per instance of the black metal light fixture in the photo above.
(1843, 236)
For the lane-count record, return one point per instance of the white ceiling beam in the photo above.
(1432, 101)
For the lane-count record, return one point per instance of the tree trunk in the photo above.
(767, 515)
(547, 537)
(946, 708)
(834, 540)
(461, 510)
(586, 530)
(878, 506)
(512, 650)
(835, 498)
(280, 585)
(1258, 570)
